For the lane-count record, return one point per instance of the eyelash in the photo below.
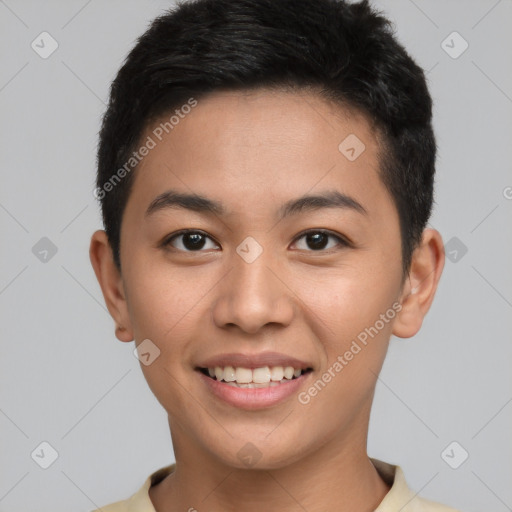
(342, 242)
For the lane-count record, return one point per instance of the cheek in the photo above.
(164, 302)
(355, 319)
(166, 308)
(348, 301)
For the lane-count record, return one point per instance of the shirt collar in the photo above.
(399, 498)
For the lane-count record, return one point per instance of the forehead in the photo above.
(291, 122)
(254, 147)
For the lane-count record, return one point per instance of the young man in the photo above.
(266, 174)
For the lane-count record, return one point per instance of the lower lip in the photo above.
(253, 398)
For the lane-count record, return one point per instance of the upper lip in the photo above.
(252, 361)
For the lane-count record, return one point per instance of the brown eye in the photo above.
(319, 241)
(189, 241)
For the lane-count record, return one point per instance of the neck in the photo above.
(337, 476)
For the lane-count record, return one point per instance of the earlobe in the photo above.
(111, 284)
(122, 334)
(421, 285)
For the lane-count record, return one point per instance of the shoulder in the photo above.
(140, 501)
(401, 496)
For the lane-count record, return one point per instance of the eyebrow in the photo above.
(202, 204)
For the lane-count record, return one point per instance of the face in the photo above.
(292, 258)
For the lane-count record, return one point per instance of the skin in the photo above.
(253, 151)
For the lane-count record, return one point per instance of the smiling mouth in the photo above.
(263, 377)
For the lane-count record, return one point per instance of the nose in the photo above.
(253, 295)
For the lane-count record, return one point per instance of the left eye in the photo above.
(319, 240)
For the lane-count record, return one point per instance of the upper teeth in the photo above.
(261, 375)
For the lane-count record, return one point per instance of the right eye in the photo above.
(188, 240)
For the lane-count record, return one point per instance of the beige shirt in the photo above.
(399, 498)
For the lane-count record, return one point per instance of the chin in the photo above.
(260, 454)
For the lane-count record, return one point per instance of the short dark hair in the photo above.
(346, 52)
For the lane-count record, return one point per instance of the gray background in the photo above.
(66, 380)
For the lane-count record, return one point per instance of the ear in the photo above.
(111, 284)
(421, 284)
